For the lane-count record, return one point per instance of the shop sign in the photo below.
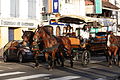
(16, 23)
(98, 6)
(55, 6)
(54, 22)
(93, 30)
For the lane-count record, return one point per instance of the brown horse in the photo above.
(27, 38)
(53, 45)
(113, 48)
(34, 46)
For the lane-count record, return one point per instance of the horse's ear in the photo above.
(23, 31)
(38, 26)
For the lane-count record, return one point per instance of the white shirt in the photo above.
(108, 41)
(84, 34)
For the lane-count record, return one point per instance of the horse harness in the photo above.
(36, 47)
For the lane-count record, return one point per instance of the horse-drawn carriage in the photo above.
(56, 48)
(84, 50)
(80, 51)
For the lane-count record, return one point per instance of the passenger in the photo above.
(85, 34)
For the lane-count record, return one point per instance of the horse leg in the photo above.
(118, 58)
(57, 58)
(62, 59)
(47, 60)
(114, 56)
(46, 57)
(36, 60)
(71, 59)
(109, 59)
(54, 59)
(109, 52)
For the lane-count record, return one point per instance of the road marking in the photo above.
(10, 73)
(66, 78)
(100, 79)
(29, 77)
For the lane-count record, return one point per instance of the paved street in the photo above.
(97, 70)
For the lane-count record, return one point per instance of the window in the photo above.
(43, 9)
(14, 8)
(68, 1)
(11, 34)
(45, 17)
(32, 9)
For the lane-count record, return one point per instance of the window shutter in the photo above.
(31, 8)
(34, 9)
(17, 8)
(14, 8)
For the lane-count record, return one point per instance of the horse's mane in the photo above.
(114, 39)
(45, 29)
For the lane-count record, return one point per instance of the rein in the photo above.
(50, 37)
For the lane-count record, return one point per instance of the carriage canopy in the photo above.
(74, 19)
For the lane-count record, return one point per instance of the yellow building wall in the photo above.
(3, 36)
(18, 33)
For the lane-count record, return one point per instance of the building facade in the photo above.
(52, 8)
(107, 16)
(17, 15)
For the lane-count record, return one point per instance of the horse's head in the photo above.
(39, 32)
(27, 36)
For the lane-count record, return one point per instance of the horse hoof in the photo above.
(40, 66)
(50, 69)
(119, 64)
(36, 67)
(110, 66)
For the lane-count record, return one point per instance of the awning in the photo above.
(107, 22)
(102, 21)
(94, 24)
(105, 5)
(109, 5)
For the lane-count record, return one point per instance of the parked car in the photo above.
(14, 50)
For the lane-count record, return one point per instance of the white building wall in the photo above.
(82, 7)
(4, 36)
(38, 10)
(76, 7)
(23, 9)
(23, 22)
(5, 8)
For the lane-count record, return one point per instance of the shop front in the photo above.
(11, 29)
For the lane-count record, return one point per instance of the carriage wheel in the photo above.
(85, 57)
